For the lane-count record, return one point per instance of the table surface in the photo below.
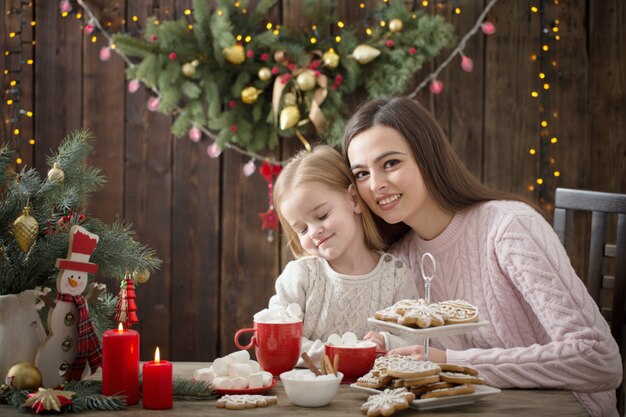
(513, 402)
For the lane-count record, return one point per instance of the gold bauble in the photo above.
(23, 376)
(365, 53)
(265, 74)
(289, 117)
(189, 70)
(290, 99)
(331, 59)
(25, 229)
(306, 80)
(56, 174)
(396, 25)
(250, 94)
(235, 54)
(141, 276)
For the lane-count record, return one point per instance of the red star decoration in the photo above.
(270, 219)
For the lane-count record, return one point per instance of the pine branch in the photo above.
(188, 390)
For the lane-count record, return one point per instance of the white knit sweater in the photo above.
(545, 330)
(338, 303)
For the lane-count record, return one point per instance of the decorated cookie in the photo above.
(423, 315)
(240, 402)
(459, 311)
(458, 368)
(460, 378)
(412, 368)
(420, 389)
(387, 402)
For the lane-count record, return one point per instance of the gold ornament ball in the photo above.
(141, 276)
(25, 229)
(330, 59)
(23, 376)
(290, 99)
(189, 70)
(396, 25)
(235, 54)
(289, 117)
(56, 174)
(265, 74)
(306, 80)
(365, 54)
(249, 95)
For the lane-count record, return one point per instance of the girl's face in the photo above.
(387, 176)
(327, 221)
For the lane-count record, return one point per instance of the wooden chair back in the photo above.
(606, 264)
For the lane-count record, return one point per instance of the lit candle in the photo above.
(120, 364)
(157, 383)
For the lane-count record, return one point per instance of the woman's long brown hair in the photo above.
(447, 179)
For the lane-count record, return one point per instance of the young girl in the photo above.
(492, 250)
(340, 277)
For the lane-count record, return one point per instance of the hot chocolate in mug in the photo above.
(276, 345)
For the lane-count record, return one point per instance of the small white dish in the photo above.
(310, 392)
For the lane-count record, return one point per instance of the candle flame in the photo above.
(120, 328)
(157, 355)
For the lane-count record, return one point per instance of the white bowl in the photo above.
(310, 392)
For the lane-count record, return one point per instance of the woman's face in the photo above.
(387, 176)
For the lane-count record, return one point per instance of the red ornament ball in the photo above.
(389, 43)
(264, 57)
(172, 56)
(154, 38)
(233, 128)
(232, 104)
(250, 54)
(412, 50)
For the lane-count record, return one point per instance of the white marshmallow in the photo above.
(223, 382)
(267, 378)
(349, 339)
(240, 382)
(239, 369)
(220, 366)
(254, 365)
(294, 310)
(334, 339)
(204, 374)
(323, 377)
(240, 356)
(255, 380)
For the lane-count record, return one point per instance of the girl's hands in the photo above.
(376, 338)
(417, 351)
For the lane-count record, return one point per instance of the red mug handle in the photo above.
(252, 339)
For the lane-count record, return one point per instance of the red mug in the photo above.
(276, 345)
(354, 362)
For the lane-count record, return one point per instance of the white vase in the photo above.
(21, 331)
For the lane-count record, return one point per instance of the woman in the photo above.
(492, 250)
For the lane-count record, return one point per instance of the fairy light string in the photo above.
(212, 149)
(18, 121)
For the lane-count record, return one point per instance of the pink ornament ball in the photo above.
(133, 86)
(249, 168)
(172, 56)
(467, 64)
(488, 28)
(195, 134)
(105, 53)
(88, 29)
(65, 6)
(389, 43)
(213, 150)
(153, 103)
(436, 87)
(250, 54)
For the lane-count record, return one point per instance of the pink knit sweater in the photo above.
(545, 330)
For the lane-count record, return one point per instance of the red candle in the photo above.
(120, 364)
(157, 384)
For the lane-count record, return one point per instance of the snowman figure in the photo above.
(72, 341)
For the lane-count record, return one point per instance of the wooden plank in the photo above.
(249, 262)
(148, 201)
(459, 108)
(511, 116)
(103, 115)
(58, 79)
(606, 91)
(195, 248)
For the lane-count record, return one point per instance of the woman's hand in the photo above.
(417, 351)
(376, 338)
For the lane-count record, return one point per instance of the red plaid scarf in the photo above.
(88, 343)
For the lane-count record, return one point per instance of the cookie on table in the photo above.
(369, 380)
(240, 402)
(447, 392)
(460, 378)
(412, 368)
(387, 402)
(420, 389)
(450, 367)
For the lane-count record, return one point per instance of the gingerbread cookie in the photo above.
(447, 392)
(412, 368)
(450, 367)
(420, 389)
(459, 311)
(423, 315)
(460, 378)
(370, 380)
(240, 402)
(387, 402)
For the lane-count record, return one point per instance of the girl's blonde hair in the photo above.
(326, 166)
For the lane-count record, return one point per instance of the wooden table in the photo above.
(535, 403)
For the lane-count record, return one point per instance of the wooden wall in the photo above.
(200, 214)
